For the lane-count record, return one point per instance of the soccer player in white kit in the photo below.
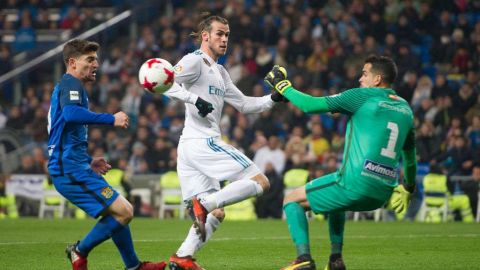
(203, 158)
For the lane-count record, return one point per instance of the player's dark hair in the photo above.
(383, 66)
(77, 47)
(206, 25)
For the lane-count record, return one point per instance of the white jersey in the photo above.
(198, 75)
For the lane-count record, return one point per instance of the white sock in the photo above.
(193, 243)
(232, 193)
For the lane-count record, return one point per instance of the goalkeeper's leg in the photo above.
(294, 206)
(336, 225)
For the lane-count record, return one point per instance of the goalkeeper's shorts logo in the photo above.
(380, 169)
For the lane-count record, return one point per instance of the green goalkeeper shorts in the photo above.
(325, 195)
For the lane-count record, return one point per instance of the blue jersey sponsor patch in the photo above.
(380, 169)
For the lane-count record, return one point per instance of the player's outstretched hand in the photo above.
(400, 198)
(100, 165)
(277, 97)
(204, 107)
(121, 120)
(274, 76)
(277, 78)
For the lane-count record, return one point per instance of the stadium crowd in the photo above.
(436, 45)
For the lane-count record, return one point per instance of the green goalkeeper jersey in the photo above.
(379, 131)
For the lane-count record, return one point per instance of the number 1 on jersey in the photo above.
(392, 141)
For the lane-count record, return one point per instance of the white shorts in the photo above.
(203, 163)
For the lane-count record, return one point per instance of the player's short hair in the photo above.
(384, 66)
(206, 25)
(77, 47)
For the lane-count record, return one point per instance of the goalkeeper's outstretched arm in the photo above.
(305, 102)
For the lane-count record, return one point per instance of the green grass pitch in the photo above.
(33, 244)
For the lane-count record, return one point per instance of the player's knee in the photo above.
(219, 214)
(126, 214)
(287, 199)
(298, 195)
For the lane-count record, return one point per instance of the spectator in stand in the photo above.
(408, 85)
(269, 205)
(270, 153)
(428, 143)
(441, 87)
(464, 100)
(422, 91)
(25, 36)
(297, 154)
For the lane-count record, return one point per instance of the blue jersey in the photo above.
(68, 120)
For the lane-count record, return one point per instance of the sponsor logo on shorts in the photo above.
(107, 192)
(380, 169)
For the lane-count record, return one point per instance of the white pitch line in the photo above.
(407, 236)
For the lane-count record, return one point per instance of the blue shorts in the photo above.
(87, 190)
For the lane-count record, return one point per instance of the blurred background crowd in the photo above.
(436, 45)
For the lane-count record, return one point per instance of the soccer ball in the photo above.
(156, 75)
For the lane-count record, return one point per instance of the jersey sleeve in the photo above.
(71, 93)
(409, 143)
(242, 103)
(409, 156)
(188, 69)
(179, 93)
(347, 102)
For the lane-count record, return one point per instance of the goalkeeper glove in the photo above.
(400, 198)
(204, 107)
(277, 78)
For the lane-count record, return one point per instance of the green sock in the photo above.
(336, 225)
(298, 227)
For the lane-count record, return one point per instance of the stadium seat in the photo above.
(51, 202)
(114, 178)
(169, 195)
(7, 203)
(435, 198)
(293, 179)
(244, 210)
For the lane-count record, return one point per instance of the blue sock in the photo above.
(103, 230)
(123, 240)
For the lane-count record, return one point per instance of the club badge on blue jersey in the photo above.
(107, 192)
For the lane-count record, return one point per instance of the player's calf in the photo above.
(198, 213)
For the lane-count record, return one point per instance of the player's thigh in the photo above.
(229, 163)
(87, 190)
(121, 209)
(325, 195)
(212, 160)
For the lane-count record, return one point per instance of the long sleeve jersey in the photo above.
(68, 120)
(198, 75)
(380, 130)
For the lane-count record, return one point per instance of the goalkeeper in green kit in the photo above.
(379, 132)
